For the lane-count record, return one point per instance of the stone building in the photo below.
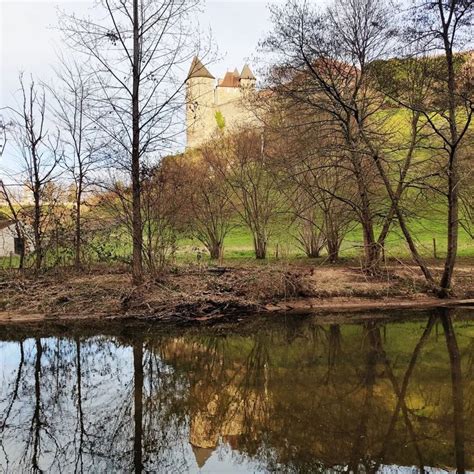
(9, 243)
(213, 105)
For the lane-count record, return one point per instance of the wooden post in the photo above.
(434, 248)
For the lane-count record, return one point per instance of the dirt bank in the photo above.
(195, 294)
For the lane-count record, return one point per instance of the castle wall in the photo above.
(235, 109)
(200, 111)
(225, 95)
(205, 100)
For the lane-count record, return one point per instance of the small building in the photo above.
(10, 243)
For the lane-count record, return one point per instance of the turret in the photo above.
(199, 103)
(247, 79)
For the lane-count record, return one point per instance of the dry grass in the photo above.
(193, 292)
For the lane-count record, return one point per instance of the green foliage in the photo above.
(220, 120)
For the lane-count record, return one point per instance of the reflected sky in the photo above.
(288, 395)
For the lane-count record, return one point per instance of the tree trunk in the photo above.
(37, 231)
(401, 221)
(313, 251)
(77, 239)
(401, 182)
(453, 227)
(453, 178)
(370, 245)
(394, 199)
(215, 250)
(333, 245)
(137, 236)
(457, 391)
(21, 263)
(138, 405)
(260, 246)
(311, 240)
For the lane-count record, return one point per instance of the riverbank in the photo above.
(204, 295)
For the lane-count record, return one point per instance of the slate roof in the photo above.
(246, 73)
(198, 69)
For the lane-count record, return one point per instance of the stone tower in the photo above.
(210, 108)
(247, 79)
(199, 104)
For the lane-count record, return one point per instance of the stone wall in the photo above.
(205, 101)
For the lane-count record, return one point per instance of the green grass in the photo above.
(238, 244)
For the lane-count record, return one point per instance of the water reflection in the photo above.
(292, 397)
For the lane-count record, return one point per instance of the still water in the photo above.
(289, 394)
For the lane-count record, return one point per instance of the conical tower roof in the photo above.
(246, 73)
(198, 69)
(236, 73)
(202, 455)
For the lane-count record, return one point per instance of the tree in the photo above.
(241, 161)
(40, 159)
(210, 208)
(163, 207)
(446, 27)
(80, 140)
(135, 54)
(324, 65)
(313, 179)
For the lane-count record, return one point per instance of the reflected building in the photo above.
(296, 396)
(223, 405)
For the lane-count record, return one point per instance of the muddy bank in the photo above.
(201, 295)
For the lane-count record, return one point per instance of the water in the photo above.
(289, 394)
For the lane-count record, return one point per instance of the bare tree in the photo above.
(135, 53)
(315, 181)
(210, 209)
(446, 27)
(324, 65)
(80, 140)
(163, 207)
(241, 160)
(309, 231)
(40, 158)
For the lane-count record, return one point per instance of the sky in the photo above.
(29, 41)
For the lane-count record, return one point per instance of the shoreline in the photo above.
(195, 296)
(309, 306)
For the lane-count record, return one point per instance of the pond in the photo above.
(378, 392)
